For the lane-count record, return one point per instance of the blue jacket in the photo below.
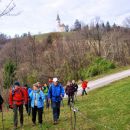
(39, 96)
(29, 91)
(55, 92)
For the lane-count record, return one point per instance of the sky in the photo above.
(39, 16)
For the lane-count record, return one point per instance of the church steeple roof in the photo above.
(58, 17)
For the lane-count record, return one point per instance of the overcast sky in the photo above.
(40, 15)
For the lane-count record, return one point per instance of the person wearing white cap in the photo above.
(56, 94)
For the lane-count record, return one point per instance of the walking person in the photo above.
(70, 89)
(29, 101)
(56, 94)
(37, 104)
(84, 85)
(75, 87)
(17, 98)
(25, 90)
(45, 91)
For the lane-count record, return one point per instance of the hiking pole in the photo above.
(2, 118)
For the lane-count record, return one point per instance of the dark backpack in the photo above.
(1, 100)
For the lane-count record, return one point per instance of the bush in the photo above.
(98, 66)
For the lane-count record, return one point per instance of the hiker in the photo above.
(84, 86)
(17, 98)
(56, 94)
(37, 104)
(70, 92)
(25, 90)
(50, 81)
(39, 85)
(29, 101)
(1, 102)
(76, 88)
(45, 91)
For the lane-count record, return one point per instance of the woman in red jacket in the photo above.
(84, 86)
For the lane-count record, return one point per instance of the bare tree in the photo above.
(127, 22)
(8, 9)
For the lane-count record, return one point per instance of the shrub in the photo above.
(97, 66)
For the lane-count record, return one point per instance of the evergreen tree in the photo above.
(108, 26)
(77, 25)
(9, 73)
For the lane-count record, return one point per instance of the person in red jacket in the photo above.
(84, 86)
(17, 98)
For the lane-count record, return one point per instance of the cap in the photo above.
(36, 85)
(55, 79)
(16, 84)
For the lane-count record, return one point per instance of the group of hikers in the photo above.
(51, 93)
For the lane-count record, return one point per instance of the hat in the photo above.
(36, 85)
(55, 79)
(16, 84)
(50, 80)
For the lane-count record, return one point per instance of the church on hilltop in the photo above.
(61, 27)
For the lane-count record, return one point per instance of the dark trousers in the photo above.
(28, 107)
(56, 110)
(34, 114)
(84, 92)
(47, 102)
(15, 109)
(70, 99)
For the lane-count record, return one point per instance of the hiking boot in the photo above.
(21, 126)
(34, 124)
(15, 128)
(55, 123)
(40, 125)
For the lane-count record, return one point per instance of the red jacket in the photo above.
(84, 84)
(17, 96)
(26, 96)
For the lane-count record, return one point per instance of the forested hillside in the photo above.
(73, 55)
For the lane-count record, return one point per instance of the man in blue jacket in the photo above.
(56, 94)
(37, 103)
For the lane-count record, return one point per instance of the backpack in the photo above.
(1, 100)
(18, 94)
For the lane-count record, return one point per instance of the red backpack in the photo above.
(18, 96)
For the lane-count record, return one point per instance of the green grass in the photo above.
(106, 108)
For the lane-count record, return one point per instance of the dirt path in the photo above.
(101, 82)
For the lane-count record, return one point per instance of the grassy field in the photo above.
(107, 108)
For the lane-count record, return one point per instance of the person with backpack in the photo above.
(84, 85)
(75, 87)
(25, 90)
(17, 98)
(70, 89)
(56, 94)
(28, 104)
(37, 103)
(45, 91)
(1, 102)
